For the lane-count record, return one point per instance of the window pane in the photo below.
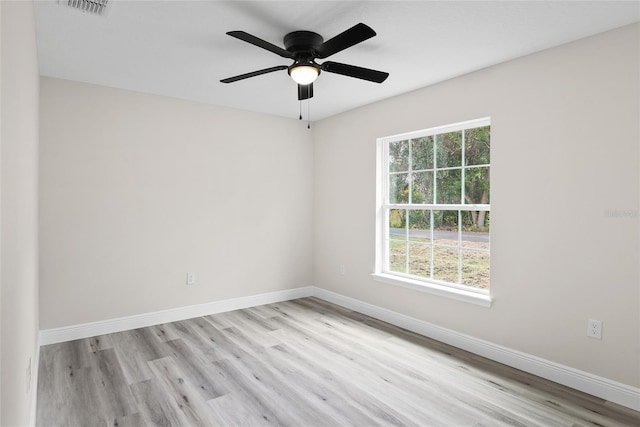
(475, 238)
(399, 188)
(449, 187)
(445, 264)
(422, 187)
(397, 223)
(449, 149)
(399, 156)
(445, 228)
(476, 146)
(398, 256)
(422, 153)
(420, 225)
(475, 268)
(420, 243)
(476, 186)
(420, 259)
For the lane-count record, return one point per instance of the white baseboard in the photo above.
(621, 394)
(86, 330)
(603, 388)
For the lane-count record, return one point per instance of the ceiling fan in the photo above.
(304, 47)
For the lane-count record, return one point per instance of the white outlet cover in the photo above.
(594, 328)
(191, 278)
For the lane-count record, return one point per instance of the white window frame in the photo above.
(458, 292)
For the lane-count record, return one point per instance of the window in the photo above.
(434, 210)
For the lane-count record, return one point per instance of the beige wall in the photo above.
(19, 208)
(565, 142)
(136, 190)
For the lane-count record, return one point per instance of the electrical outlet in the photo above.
(191, 278)
(343, 270)
(594, 328)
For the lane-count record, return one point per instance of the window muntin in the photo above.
(436, 206)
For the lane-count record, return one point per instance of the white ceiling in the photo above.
(180, 49)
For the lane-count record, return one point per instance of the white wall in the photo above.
(19, 209)
(136, 190)
(565, 147)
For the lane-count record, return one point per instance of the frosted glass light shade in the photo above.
(304, 74)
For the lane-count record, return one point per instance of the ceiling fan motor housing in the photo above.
(302, 42)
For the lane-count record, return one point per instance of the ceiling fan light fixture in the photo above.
(304, 74)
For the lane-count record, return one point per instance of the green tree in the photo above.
(477, 152)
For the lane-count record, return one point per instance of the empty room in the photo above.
(319, 213)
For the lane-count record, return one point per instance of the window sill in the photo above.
(483, 300)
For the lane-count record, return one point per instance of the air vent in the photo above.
(95, 7)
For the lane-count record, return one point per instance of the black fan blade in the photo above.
(353, 71)
(354, 35)
(305, 91)
(253, 74)
(246, 37)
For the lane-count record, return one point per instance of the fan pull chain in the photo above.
(300, 118)
(308, 113)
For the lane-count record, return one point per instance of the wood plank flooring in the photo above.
(297, 363)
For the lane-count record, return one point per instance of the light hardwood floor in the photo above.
(298, 363)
